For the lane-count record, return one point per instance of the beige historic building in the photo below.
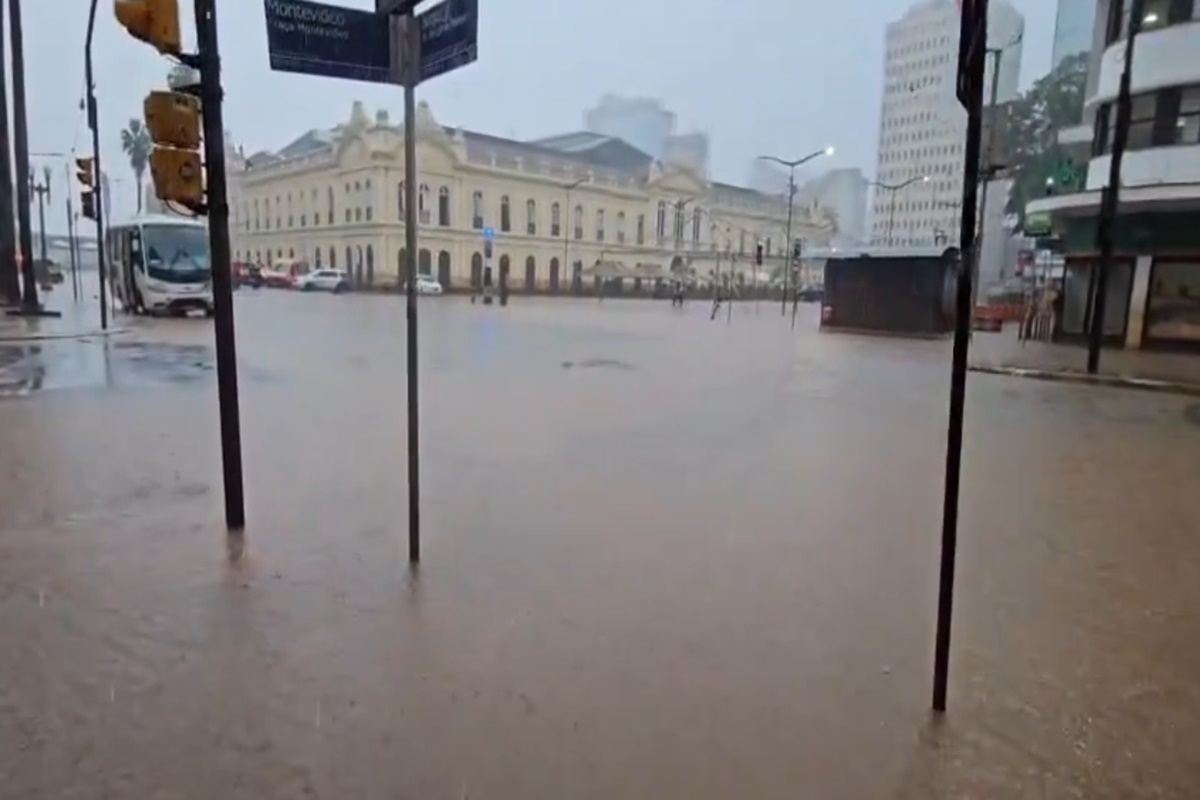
(559, 210)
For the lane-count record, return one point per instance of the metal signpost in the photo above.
(392, 45)
(971, 57)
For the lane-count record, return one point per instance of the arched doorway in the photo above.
(444, 269)
(370, 266)
(401, 268)
(358, 267)
(424, 262)
(554, 276)
(530, 275)
(505, 266)
(577, 277)
(349, 262)
(332, 258)
(476, 271)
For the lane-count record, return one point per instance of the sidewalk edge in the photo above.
(1072, 376)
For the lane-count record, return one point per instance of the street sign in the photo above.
(331, 41)
(449, 37)
(489, 233)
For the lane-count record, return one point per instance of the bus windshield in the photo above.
(176, 253)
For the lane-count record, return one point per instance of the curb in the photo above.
(49, 337)
(1083, 378)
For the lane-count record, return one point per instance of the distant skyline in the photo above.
(810, 78)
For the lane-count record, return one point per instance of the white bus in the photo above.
(160, 264)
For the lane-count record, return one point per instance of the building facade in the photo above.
(1074, 26)
(335, 199)
(919, 170)
(1153, 297)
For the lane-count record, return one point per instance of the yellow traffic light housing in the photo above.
(178, 177)
(85, 171)
(173, 119)
(155, 22)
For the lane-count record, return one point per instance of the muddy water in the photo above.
(663, 558)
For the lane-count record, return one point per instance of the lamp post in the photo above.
(787, 236)
(893, 189)
(562, 219)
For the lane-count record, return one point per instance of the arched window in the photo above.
(678, 227)
(531, 217)
(477, 210)
(444, 207)
(329, 216)
(577, 222)
(423, 204)
(696, 225)
(332, 257)
(621, 227)
(505, 216)
(400, 197)
(641, 229)
(661, 223)
(599, 224)
(555, 220)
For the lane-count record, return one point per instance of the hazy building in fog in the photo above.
(1074, 23)
(644, 123)
(844, 192)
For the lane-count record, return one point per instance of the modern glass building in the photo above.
(1074, 26)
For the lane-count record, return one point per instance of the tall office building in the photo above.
(640, 121)
(844, 192)
(1074, 24)
(922, 127)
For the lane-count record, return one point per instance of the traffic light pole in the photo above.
(71, 244)
(412, 68)
(97, 201)
(208, 62)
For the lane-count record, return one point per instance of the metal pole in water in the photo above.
(412, 55)
(971, 62)
(209, 59)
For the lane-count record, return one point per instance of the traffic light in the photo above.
(155, 22)
(173, 122)
(85, 173)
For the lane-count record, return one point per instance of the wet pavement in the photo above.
(664, 557)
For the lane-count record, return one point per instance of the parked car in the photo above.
(324, 280)
(427, 285)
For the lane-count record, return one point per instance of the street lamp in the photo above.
(791, 165)
(566, 234)
(893, 189)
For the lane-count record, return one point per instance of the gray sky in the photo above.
(775, 76)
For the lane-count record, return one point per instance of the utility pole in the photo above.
(71, 244)
(42, 191)
(1110, 195)
(989, 165)
(29, 293)
(787, 244)
(10, 282)
(412, 76)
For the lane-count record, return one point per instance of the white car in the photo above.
(324, 280)
(428, 285)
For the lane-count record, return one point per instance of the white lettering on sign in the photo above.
(306, 14)
(291, 18)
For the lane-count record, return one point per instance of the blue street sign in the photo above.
(489, 233)
(335, 42)
(449, 37)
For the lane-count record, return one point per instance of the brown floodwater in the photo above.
(663, 557)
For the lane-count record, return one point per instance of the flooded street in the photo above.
(662, 557)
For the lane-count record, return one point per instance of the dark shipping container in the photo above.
(893, 295)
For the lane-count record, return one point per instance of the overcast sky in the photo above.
(759, 76)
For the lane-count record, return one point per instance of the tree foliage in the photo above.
(1027, 132)
(135, 141)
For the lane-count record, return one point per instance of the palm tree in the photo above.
(135, 141)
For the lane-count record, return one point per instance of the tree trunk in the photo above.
(138, 176)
